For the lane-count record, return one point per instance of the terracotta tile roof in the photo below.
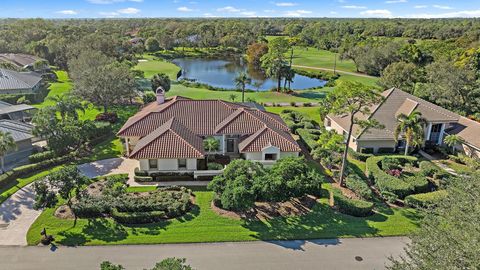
(266, 137)
(194, 119)
(171, 140)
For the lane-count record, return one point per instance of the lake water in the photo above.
(222, 72)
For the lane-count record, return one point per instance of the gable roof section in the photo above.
(266, 137)
(20, 131)
(171, 140)
(396, 101)
(468, 130)
(11, 80)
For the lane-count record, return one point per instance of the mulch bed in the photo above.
(268, 210)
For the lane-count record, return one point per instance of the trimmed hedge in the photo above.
(138, 217)
(309, 137)
(357, 208)
(358, 185)
(358, 156)
(425, 200)
(41, 156)
(386, 182)
(418, 183)
(428, 168)
(141, 179)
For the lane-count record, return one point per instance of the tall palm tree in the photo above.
(67, 105)
(412, 128)
(241, 81)
(452, 141)
(7, 143)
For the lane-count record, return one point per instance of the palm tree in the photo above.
(67, 105)
(7, 143)
(210, 144)
(232, 97)
(412, 128)
(452, 141)
(241, 81)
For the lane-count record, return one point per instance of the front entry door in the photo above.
(230, 145)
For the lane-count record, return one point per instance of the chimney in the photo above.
(160, 95)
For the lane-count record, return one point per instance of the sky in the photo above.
(243, 8)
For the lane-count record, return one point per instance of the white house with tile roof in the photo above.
(168, 135)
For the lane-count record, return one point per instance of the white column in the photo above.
(429, 131)
(127, 146)
(440, 137)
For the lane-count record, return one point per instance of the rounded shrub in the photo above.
(357, 208)
(425, 200)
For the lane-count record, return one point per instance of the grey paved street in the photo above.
(356, 253)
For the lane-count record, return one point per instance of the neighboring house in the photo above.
(168, 135)
(13, 82)
(19, 112)
(23, 137)
(21, 61)
(439, 122)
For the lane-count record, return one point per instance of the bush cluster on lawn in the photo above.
(41, 156)
(309, 137)
(386, 182)
(359, 156)
(243, 182)
(296, 120)
(359, 186)
(214, 166)
(351, 207)
(131, 207)
(425, 200)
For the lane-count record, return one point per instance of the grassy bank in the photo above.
(151, 65)
(204, 225)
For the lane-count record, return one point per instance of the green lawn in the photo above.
(20, 182)
(266, 96)
(154, 65)
(204, 225)
(320, 58)
(62, 86)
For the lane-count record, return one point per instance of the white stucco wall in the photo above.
(191, 164)
(289, 154)
(168, 165)
(253, 156)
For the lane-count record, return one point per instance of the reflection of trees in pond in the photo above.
(255, 73)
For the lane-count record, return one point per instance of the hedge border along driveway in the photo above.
(204, 225)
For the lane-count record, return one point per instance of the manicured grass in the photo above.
(267, 96)
(141, 188)
(320, 58)
(155, 65)
(311, 112)
(19, 183)
(457, 167)
(62, 86)
(204, 225)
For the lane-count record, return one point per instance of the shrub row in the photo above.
(145, 176)
(41, 156)
(357, 208)
(143, 179)
(418, 183)
(138, 217)
(386, 182)
(428, 168)
(296, 120)
(425, 200)
(214, 166)
(359, 186)
(309, 137)
(358, 156)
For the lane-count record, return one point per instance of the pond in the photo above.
(222, 72)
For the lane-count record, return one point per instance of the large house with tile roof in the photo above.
(395, 102)
(13, 82)
(168, 135)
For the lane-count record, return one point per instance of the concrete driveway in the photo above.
(16, 217)
(109, 166)
(355, 253)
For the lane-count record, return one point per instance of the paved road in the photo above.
(338, 71)
(16, 216)
(368, 253)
